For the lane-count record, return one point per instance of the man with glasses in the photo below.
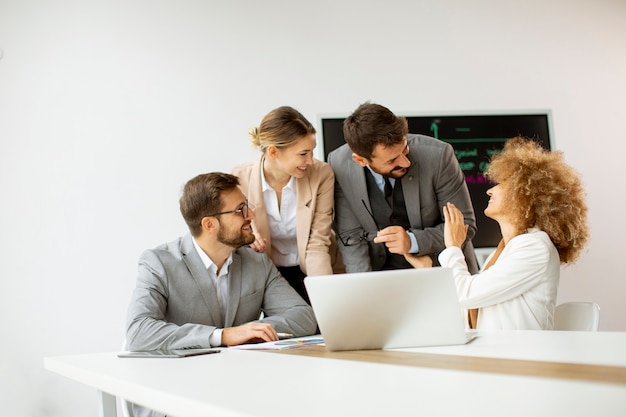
(390, 188)
(208, 288)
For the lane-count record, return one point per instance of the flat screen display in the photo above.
(474, 139)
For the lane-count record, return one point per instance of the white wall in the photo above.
(107, 108)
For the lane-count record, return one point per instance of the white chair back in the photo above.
(577, 315)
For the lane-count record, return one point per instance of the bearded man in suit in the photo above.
(208, 288)
(390, 189)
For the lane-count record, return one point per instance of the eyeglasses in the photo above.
(244, 211)
(356, 236)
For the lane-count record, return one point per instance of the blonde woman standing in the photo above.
(292, 193)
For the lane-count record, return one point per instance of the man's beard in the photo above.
(396, 173)
(235, 239)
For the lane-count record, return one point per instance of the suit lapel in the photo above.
(201, 278)
(234, 289)
(411, 190)
(255, 195)
(358, 193)
(304, 213)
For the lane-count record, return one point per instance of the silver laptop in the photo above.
(387, 309)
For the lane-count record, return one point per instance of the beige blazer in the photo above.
(317, 247)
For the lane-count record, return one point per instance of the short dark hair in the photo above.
(370, 125)
(202, 196)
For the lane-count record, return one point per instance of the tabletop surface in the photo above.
(261, 383)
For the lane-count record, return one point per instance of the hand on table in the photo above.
(249, 333)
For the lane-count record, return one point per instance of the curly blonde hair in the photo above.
(543, 191)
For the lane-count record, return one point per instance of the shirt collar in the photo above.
(264, 185)
(208, 263)
(380, 179)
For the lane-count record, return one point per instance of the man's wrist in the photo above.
(215, 338)
(414, 246)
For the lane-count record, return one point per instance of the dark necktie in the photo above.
(388, 192)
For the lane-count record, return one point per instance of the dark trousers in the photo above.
(295, 278)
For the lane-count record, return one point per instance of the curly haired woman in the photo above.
(538, 202)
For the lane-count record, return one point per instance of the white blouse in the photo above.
(282, 221)
(518, 292)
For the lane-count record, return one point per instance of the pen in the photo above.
(284, 335)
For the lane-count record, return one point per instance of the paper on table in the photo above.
(281, 344)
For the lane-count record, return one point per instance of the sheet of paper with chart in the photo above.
(282, 344)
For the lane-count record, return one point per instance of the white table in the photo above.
(371, 383)
(596, 348)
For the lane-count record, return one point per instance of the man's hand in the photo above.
(395, 238)
(423, 261)
(455, 229)
(249, 333)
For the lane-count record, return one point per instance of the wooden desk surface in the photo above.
(586, 372)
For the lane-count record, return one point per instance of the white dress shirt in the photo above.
(282, 222)
(380, 182)
(221, 284)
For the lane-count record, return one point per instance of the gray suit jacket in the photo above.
(433, 179)
(174, 304)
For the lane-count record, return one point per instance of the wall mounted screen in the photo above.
(474, 139)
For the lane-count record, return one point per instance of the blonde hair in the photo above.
(545, 192)
(281, 127)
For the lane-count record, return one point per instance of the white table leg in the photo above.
(106, 405)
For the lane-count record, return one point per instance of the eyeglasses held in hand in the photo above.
(244, 210)
(356, 236)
